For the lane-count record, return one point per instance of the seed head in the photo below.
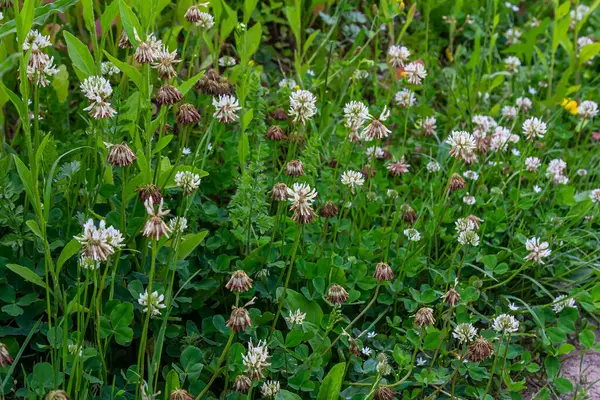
(337, 294)
(187, 115)
(242, 384)
(294, 168)
(120, 155)
(180, 394)
(479, 350)
(239, 282)
(451, 297)
(168, 95)
(275, 132)
(328, 210)
(383, 272)
(424, 317)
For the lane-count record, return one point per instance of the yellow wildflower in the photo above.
(570, 105)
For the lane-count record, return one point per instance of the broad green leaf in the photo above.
(130, 22)
(108, 16)
(249, 6)
(121, 315)
(27, 274)
(67, 252)
(79, 55)
(189, 84)
(332, 384)
(35, 228)
(189, 242)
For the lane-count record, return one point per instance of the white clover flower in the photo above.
(524, 103)
(405, 98)
(501, 138)
(376, 129)
(296, 318)
(537, 250)
(464, 225)
(40, 75)
(302, 105)
(255, 361)
(36, 41)
(512, 64)
(302, 196)
(469, 200)
(398, 55)
(468, 238)
(152, 302)
(178, 224)
(205, 21)
(355, 114)
(412, 234)
(287, 83)
(464, 332)
(99, 242)
(433, 166)
(366, 351)
(74, 349)
(513, 35)
(587, 109)
(415, 72)
(165, 61)
(360, 74)
(561, 302)
(226, 108)
(88, 263)
(270, 389)
(108, 68)
(555, 170)
(595, 195)
(582, 172)
(97, 89)
(462, 145)
(429, 126)
(505, 323)
(532, 164)
(509, 112)
(534, 128)
(352, 179)
(472, 175)
(375, 152)
(483, 124)
(579, 13)
(228, 61)
(188, 181)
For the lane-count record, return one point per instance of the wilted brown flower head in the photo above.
(451, 297)
(124, 42)
(384, 393)
(239, 319)
(456, 183)
(479, 350)
(275, 132)
(5, 357)
(168, 95)
(337, 294)
(57, 395)
(279, 114)
(193, 14)
(424, 317)
(383, 272)
(353, 346)
(242, 384)
(214, 84)
(239, 282)
(120, 155)
(482, 143)
(180, 394)
(187, 114)
(409, 215)
(368, 171)
(279, 192)
(149, 191)
(294, 168)
(328, 210)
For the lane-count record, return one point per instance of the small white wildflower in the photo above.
(533, 128)
(152, 302)
(398, 55)
(405, 98)
(270, 389)
(537, 189)
(587, 109)
(97, 90)
(415, 72)
(296, 318)
(509, 112)
(512, 64)
(371, 335)
(472, 175)
(513, 307)
(524, 103)
(562, 302)
(302, 106)
(412, 234)
(352, 179)
(538, 250)
(582, 172)
(433, 166)
(227, 61)
(595, 195)
(287, 83)
(186, 151)
(366, 351)
(464, 332)
(108, 68)
(469, 238)
(532, 164)
(226, 108)
(178, 224)
(188, 181)
(505, 323)
(421, 361)
(469, 200)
